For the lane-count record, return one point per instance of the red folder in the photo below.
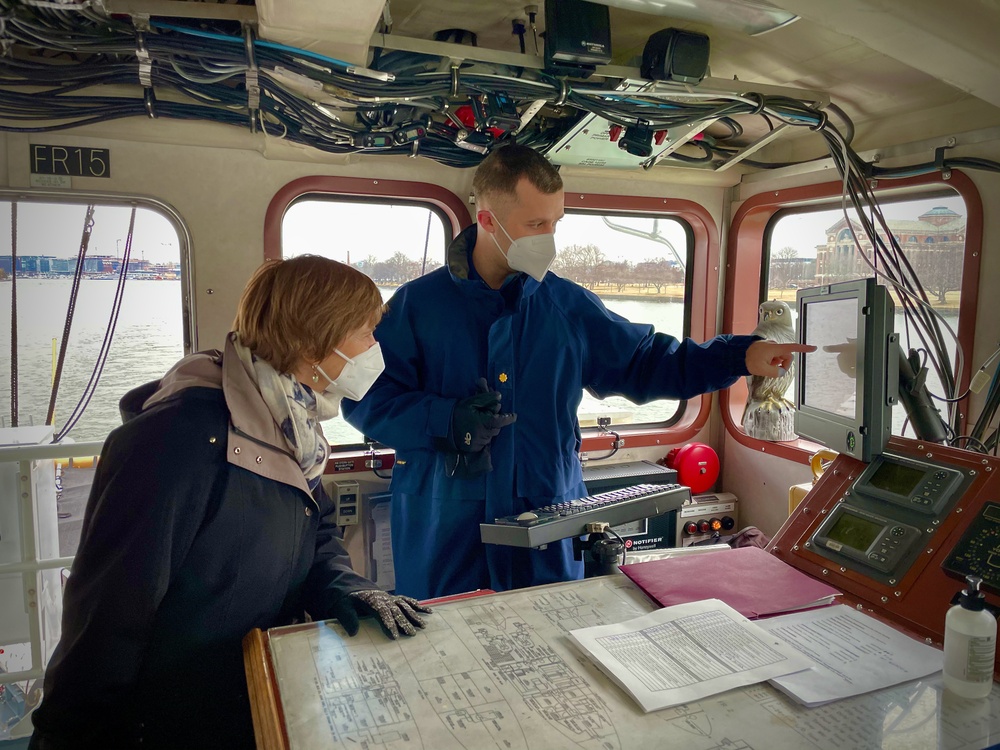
(748, 579)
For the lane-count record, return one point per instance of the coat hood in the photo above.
(201, 370)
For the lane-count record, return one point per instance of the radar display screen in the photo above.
(978, 551)
(896, 477)
(855, 532)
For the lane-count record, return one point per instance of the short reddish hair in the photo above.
(304, 308)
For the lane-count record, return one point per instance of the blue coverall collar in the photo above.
(463, 270)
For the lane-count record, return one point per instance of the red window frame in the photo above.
(744, 270)
(705, 274)
(704, 282)
(347, 187)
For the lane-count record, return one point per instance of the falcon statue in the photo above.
(768, 414)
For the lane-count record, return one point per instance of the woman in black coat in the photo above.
(207, 519)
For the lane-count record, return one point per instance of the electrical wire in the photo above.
(614, 444)
(88, 226)
(620, 540)
(109, 334)
(69, 64)
(982, 446)
(372, 456)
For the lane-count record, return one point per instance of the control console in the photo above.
(568, 519)
(888, 515)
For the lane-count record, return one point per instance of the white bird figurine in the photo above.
(768, 414)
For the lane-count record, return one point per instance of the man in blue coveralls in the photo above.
(538, 340)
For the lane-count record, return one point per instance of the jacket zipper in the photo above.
(261, 443)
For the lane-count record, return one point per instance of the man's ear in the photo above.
(486, 221)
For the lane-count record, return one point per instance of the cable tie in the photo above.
(563, 92)
(824, 119)
(378, 75)
(145, 63)
(252, 78)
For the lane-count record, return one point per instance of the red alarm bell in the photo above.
(697, 466)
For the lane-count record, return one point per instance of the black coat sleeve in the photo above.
(331, 575)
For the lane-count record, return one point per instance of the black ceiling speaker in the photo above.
(577, 36)
(675, 55)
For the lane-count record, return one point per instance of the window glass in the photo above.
(638, 266)
(810, 248)
(391, 242)
(141, 343)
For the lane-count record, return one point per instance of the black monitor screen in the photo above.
(897, 478)
(831, 376)
(855, 532)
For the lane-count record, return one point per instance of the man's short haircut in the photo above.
(498, 174)
(304, 308)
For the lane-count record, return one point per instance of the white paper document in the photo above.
(852, 654)
(689, 651)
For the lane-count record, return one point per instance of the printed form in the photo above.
(689, 651)
(853, 654)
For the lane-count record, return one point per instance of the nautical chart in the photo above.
(498, 673)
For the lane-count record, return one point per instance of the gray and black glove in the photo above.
(396, 614)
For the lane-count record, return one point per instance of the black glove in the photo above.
(470, 465)
(477, 420)
(395, 613)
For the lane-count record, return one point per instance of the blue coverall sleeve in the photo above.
(396, 410)
(632, 360)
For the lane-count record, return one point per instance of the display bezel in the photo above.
(876, 365)
(895, 553)
(950, 485)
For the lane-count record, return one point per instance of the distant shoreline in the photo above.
(90, 277)
(668, 292)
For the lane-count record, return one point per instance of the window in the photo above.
(638, 266)
(146, 338)
(799, 257)
(391, 242)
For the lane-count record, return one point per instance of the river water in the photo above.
(148, 341)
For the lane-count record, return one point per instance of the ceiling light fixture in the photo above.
(753, 17)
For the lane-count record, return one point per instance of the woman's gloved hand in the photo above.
(396, 614)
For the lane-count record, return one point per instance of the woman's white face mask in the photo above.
(359, 374)
(532, 254)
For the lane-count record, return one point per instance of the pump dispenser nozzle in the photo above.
(972, 598)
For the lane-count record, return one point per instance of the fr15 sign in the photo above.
(71, 161)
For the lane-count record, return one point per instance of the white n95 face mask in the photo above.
(532, 254)
(359, 373)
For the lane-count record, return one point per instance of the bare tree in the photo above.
(783, 267)
(658, 272)
(940, 269)
(620, 274)
(579, 263)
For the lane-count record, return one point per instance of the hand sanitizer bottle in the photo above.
(970, 642)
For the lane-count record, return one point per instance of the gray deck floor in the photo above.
(71, 504)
